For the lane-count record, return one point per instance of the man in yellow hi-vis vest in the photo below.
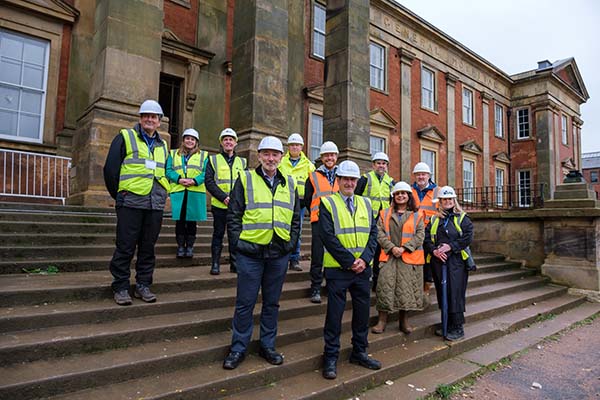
(264, 225)
(349, 233)
(134, 174)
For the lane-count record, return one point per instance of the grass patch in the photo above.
(50, 270)
(545, 317)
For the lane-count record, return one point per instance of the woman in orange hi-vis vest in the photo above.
(400, 234)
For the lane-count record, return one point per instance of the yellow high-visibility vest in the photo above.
(140, 167)
(435, 222)
(299, 172)
(352, 230)
(378, 192)
(192, 169)
(266, 213)
(224, 176)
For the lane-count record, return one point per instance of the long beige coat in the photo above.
(400, 285)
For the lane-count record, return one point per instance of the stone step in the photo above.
(462, 366)
(69, 304)
(13, 206)
(113, 331)
(300, 376)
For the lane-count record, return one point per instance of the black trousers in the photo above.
(135, 228)
(219, 225)
(360, 291)
(183, 227)
(316, 257)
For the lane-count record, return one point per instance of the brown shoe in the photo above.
(403, 322)
(380, 327)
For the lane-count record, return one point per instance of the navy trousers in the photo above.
(316, 257)
(338, 283)
(268, 275)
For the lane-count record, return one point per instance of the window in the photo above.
(467, 106)
(564, 130)
(524, 179)
(23, 78)
(427, 89)
(468, 180)
(319, 14)
(428, 157)
(499, 187)
(169, 94)
(316, 135)
(594, 176)
(499, 121)
(377, 53)
(377, 144)
(523, 123)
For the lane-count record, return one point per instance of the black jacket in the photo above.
(237, 205)
(335, 247)
(209, 179)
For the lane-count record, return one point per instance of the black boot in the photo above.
(180, 245)
(189, 243)
(215, 268)
(232, 262)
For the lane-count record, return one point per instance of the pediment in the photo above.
(175, 47)
(380, 117)
(568, 72)
(432, 133)
(501, 157)
(471, 146)
(52, 8)
(568, 163)
(314, 93)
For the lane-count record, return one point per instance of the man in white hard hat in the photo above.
(264, 225)
(298, 166)
(320, 183)
(425, 191)
(221, 172)
(377, 186)
(348, 230)
(135, 176)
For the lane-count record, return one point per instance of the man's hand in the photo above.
(397, 251)
(226, 201)
(359, 265)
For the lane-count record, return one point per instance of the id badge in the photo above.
(151, 164)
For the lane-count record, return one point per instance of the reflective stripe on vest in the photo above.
(192, 170)
(435, 222)
(266, 212)
(321, 187)
(378, 192)
(416, 257)
(299, 172)
(224, 176)
(427, 205)
(351, 230)
(135, 176)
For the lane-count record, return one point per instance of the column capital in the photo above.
(577, 121)
(485, 97)
(451, 79)
(406, 57)
(545, 105)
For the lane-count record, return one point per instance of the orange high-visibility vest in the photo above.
(321, 187)
(409, 228)
(427, 205)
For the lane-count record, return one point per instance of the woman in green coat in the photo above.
(185, 170)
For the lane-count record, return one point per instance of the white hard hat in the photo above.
(270, 143)
(401, 187)
(228, 132)
(328, 147)
(151, 107)
(191, 132)
(446, 192)
(295, 138)
(380, 155)
(422, 167)
(348, 169)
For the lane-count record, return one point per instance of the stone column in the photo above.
(295, 80)
(406, 164)
(127, 58)
(544, 135)
(451, 134)
(486, 138)
(347, 86)
(260, 71)
(577, 123)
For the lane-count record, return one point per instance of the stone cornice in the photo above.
(451, 79)
(431, 133)
(53, 8)
(577, 121)
(172, 46)
(314, 93)
(407, 57)
(545, 105)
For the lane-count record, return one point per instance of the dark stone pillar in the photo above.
(347, 86)
(260, 72)
(544, 134)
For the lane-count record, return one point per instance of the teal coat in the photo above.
(196, 201)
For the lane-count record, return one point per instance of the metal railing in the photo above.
(507, 197)
(34, 175)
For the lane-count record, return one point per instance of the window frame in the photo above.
(499, 189)
(471, 109)
(597, 173)
(527, 189)
(380, 137)
(433, 93)
(435, 160)
(21, 88)
(518, 123)
(564, 120)
(383, 69)
(316, 32)
(498, 123)
(311, 139)
(468, 191)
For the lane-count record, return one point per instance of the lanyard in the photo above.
(150, 143)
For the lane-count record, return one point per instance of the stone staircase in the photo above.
(62, 336)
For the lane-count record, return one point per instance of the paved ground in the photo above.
(566, 368)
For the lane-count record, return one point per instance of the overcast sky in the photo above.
(515, 34)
